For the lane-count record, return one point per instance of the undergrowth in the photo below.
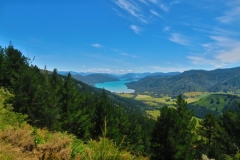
(20, 141)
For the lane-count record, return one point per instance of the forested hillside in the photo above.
(219, 80)
(60, 104)
(64, 106)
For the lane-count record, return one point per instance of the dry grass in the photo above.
(19, 143)
(56, 149)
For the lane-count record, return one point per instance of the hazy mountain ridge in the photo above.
(95, 78)
(226, 80)
(132, 76)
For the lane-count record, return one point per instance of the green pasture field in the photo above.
(126, 95)
(154, 113)
(147, 98)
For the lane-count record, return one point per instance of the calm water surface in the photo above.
(115, 86)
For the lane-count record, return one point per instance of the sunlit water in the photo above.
(115, 86)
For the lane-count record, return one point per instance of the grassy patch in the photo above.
(126, 95)
(190, 100)
(163, 100)
(154, 113)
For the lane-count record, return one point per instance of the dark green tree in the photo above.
(164, 138)
(185, 130)
(230, 121)
(173, 137)
(15, 63)
(73, 114)
(209, 130)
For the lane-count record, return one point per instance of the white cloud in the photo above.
(221, 52)
(153, 1)
(132, 8)
(205, 61)
(128, 55)
(231, 16)
(180, 39)
(164, 7)
(96, 45)
(161, 5)
(229, 56)
(155, 13)
(167, 28)
(144, 1)
(175, 2)
(136, 29)
(120, 71)
(100, 70)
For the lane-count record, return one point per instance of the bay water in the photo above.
(115, 86)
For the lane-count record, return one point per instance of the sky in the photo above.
(122, 36)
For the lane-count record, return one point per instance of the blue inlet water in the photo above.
(115, 86)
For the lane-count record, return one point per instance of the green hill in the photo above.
(214, 103)
(219, 80)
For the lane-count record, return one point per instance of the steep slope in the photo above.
(215, 104)
(193, 80)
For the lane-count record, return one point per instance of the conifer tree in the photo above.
(74, 117)
(2, 67)
(164, 138)
(173, 135)
(209, 130)
(184, 130)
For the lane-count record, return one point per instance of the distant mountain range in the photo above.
(137, 76)
(219, 80)
(93, 78)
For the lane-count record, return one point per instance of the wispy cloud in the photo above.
(155, 13)
(199, 60)
(100, 70)
(164, 7)
(175, 2)
(221, 52)
(180, 39)
(144, 1)
(154, 1)
(166, 28)
(136, 29)
(132, 8)
(232, 15)
(96, 45)
(138, 8)
(128, 55)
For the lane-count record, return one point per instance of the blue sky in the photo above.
(121, 36)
